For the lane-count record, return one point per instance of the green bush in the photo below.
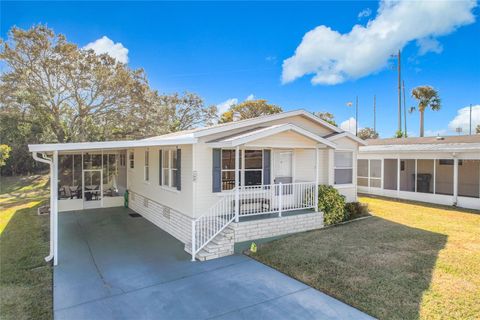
(355, 210)
(332, 204)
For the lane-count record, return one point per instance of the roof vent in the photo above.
(440, 138)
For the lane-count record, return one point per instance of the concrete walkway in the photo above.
(113, 266)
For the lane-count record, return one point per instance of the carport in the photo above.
(118, 266)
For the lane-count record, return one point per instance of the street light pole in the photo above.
(399, 92)
(356, 117)
(374, 113)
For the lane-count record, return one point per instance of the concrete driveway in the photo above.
(113, 266)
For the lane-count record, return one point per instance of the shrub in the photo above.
(332, 204)
(355, 210)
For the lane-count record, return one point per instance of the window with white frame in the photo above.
(169, 168)
(131, 159)
(250, 167)
(362, 172)
(122, 160)
(146, 170)
(343, 166)
(228, 169)
(253, 172)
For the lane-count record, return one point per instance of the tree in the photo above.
(427, 97)
(399, 134)
(185, 112)
(76, 94)
(4, 154)
(367, 133)
(249, 109)
(478, 129)
(326, 116)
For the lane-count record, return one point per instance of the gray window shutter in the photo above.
(217, 170)
(160, 168)
(266, 166)
(179, 169)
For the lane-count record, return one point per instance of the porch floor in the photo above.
(275, 215)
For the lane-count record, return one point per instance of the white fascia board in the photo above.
(80, 146)
(272, 131)
(349, 135)
(395, 151)
(260, 120)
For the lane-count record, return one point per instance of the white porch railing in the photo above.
(251, 200)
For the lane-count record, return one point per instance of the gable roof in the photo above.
(345, 134)
(259, 133)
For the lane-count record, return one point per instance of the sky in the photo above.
(316, 56)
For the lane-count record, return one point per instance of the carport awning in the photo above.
(81, 146)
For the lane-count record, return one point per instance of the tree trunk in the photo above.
(421, 123)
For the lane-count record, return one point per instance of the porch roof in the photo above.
(262, 132)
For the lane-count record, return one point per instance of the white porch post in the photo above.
(54, 206)
(237, 187)
(317, 168)
(331, 167)
(398, 175)
(455, 180)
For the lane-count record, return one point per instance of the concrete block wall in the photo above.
(175, 223)
(265, 228)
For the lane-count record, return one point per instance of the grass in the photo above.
(407, 261)
(25, 277)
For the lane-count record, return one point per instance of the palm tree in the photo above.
(427, 97)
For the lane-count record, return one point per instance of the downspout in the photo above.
(48, 161)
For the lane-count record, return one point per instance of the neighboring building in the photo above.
(441, 170)
(207, 184)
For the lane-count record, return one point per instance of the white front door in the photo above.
(282, 167)
(92, 188)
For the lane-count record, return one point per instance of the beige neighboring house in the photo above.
(441, 170)
(210, 187)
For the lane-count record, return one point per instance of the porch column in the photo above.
(54, 206)
(317, 167)
(398, 175)
(331, 167)
(237, 176)
(455, 180)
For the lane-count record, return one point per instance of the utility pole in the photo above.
(374, 113)
(356, 118)
(399, 63)
(404, 110)
(470, 119)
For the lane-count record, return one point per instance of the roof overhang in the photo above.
(346, 134)
(259, 120)
(425, 148)
(244, 138)
(83, 146)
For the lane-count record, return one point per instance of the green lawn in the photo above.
(25, 277)
(407, 261)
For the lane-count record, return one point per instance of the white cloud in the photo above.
(349, 125)
(426, 45)
(333, 57)
(462, 119)
(105, 45)
(250, 97)
(224, 106)
(365, 13)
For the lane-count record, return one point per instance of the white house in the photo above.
(442, 170)
(204, 186)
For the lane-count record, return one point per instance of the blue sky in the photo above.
(231, 50)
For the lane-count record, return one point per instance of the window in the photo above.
(122, 160)
(369, 173)
(375, 173)
(146, 168)
(390, 174)
(131, 159)
(343, 167)
(469, 178)
(362, 173)
(251, 172)
(169, 168)
(228, 169)
(253, 167)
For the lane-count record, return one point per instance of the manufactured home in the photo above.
(441, 170)
(210, 187)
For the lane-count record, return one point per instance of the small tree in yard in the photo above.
(478, 129)
(332, 204)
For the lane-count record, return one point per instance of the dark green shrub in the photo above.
(332, 204)
(355, 210)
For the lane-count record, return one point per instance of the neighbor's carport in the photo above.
(115, 266)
